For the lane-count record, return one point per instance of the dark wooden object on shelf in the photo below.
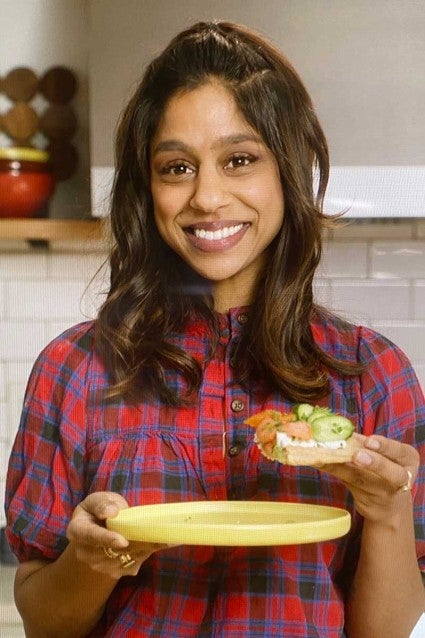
(58, 85)
(20, 123)
(57, 121)
(20, 84)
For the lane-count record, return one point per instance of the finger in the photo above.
(135, 553)
(390, 471)
(104, 505)
(86, 532)
(353, 476)
(401, 453)
(115, 564)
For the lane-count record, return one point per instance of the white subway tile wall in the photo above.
(393, 259)
(371, 272)
(419, 299)
(41, 294)
(2, 383)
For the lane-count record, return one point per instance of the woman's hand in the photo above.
(92, 541)
(376, 476)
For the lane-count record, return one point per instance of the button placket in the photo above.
(237, 410)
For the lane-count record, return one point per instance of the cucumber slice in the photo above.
(303, 411)
(319, 413)
(332, 428)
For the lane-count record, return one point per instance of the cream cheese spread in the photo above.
(283, 440)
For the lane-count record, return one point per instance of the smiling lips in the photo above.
(216, 236)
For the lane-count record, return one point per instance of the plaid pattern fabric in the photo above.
(71, 443)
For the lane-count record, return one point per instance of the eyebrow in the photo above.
(177, 145)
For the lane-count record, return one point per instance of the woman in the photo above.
(210, 318)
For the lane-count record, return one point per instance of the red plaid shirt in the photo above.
(70, 443)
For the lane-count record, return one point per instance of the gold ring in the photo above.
(408, 486)
(126, 561)
(109, 552)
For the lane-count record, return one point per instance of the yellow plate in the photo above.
(231, 523)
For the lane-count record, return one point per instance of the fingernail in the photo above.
(363, 458)
(373, 444)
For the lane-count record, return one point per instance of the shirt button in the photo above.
(242, 318)
(234, 450)
(237, 405)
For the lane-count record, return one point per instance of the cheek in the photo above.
(264, 191)
(163, 208)
(167, 203)
(268, 201)
(277, 201)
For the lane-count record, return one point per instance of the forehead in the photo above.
(209, 110)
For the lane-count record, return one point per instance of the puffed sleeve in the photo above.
(45, 479)
(393, 405)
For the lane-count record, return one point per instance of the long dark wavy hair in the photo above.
(152, 291)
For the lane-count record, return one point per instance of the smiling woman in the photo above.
(209, 320)
(194, 119)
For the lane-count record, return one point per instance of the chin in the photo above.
(215, 277)
(217, 270)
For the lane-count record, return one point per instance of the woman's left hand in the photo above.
(376, 476)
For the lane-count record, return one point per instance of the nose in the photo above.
(210, 192)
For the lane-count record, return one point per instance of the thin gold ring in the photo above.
(408, 486)
(109, 552)
(126, 561)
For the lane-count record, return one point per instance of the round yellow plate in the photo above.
(231, 523)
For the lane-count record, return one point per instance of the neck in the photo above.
(223, 302)
(235, 291)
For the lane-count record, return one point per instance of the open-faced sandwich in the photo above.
(306, 436)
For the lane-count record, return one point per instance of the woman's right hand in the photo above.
(90, 538)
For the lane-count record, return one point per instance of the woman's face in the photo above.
(217, 195)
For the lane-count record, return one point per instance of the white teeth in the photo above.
(222, 233)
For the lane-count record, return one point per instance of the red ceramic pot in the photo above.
(26, 182)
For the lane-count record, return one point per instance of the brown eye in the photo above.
(179, 169)
(239, 161)
(176, 169)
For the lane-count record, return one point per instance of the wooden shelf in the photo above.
(51, 229)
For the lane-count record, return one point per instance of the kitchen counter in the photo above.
(10, 620)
